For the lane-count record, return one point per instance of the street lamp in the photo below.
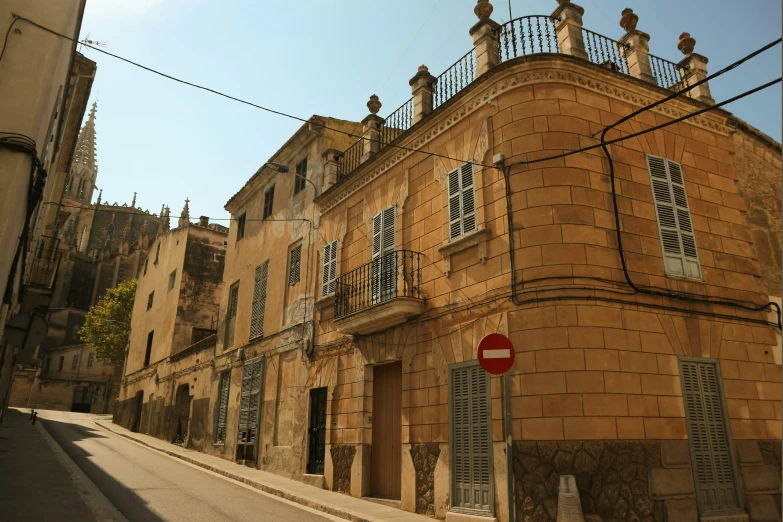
(283, 169)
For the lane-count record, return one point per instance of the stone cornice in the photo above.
(505, 77)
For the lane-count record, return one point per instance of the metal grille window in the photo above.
(259, 301)
(172, 280)
(75, 362)
(252, 379)
(241, 226)
(90, 358)
(471, 437)
(711, 447)
(157, 254)
(149, 299)
(680, 257)
(148, 352)
(301, 176)
(269, 201)
(462, 201)
(222, 406)
(384, 272)
(233, 300)
(294, 268)
(329, 269)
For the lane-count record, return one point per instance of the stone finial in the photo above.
(483, 9)
(628, 20)
(374, 104)
(100, 195)
(133, 203)
(686, 44)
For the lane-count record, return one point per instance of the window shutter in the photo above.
(252, 378)
(472, 441)
(223, 390)
(709, 439)
(674, 218)
(259, 301)
(462, 201)
(233, 299)
(329, 269)
(384, 281)
(296, 261)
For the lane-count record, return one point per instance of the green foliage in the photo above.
(107, 326)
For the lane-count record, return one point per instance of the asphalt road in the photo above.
(145, 485)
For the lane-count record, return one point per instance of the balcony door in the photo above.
(384, 273)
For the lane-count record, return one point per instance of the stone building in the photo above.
(169, 371)
(40, 111)
(632, 283)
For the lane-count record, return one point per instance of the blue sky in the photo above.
(168, 141)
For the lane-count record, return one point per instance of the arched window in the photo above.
(109, 232)
(83, 240)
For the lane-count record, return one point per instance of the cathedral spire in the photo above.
(184, 218)
(85, 155)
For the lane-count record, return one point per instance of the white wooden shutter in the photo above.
(472, 439)
(713, 465)
(259, 301)
(462, 201)
(328, 281)
(384, 275)
(674, 218)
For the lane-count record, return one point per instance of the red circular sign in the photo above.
(496, 354)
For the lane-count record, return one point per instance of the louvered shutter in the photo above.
(293, 270)
(674, 218)
(223, 391)
(259, 301)
(472, 440)
(708, 435)
(328, 281)
(462, 201)
(252, 378)
(384, 280)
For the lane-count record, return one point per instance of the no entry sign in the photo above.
(496, 354)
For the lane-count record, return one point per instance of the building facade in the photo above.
(633, 281)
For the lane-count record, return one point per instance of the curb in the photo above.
(292, 497)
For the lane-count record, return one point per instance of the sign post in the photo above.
(496, 355)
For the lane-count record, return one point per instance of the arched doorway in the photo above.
(183, 413)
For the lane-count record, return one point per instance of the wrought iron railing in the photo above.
(350, 159)
(527, 35)
(396, 123)
(42, 265)
(668, 74)
(454, 79)
(391, 275)
(604, 51)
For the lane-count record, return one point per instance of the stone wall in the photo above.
(760, 468)
(342, 457)
(425, 458)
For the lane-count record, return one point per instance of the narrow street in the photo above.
(145, 485)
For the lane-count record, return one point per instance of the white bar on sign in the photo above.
(504, 353)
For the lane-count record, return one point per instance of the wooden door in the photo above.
(387, 431)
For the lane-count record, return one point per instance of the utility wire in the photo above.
(239, 100)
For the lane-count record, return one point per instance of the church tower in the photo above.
(84, 171)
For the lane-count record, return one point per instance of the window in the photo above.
(384, 270)
(47, 365)
(61, 363)
(471, 438)
(233, 301)
(222, 407)
(678, 243)
(329, 280)
(146, 262)
(148, 353)
(82, 241)
(90, 358)
(259, 301)
(269, 201)
(462, 201)
(172, 279)
(714, 473)
(301, 176)
(149, 299)
(241, 226)
(157, 254)
(294, 268)
(109, 232)
(75, 362)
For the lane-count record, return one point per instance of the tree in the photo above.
(107, 326)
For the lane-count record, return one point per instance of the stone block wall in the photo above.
(760, 470)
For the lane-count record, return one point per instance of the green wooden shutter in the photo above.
(713, 462)
(222, 416)
(252, 378)
(259, 301)
(680, 256)
(471, 441)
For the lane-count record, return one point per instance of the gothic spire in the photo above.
(85, 155)
(184, 218)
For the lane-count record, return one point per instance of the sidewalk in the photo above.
(34, 483)
(336, 504)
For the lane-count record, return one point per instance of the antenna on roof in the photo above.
(89, 41)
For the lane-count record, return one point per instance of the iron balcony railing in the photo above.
(534, 34)
(391, 275)
(42, 264)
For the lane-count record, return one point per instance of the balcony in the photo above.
(380, 294)
(42, 267)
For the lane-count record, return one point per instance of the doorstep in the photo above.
(337, 504)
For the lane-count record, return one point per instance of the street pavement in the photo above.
(145, 485)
